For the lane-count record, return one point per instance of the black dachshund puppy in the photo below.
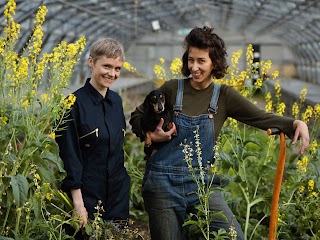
(156, 106)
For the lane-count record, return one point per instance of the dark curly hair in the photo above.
(205, 38)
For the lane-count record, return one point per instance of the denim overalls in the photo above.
(168, 188)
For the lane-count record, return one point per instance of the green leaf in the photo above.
(190, 222)
(293, 157)
(37, 208)
(5, 238)
(20, 189)
(227, 160)
(254, 141)
(53, 158)
(37, 145)
(250, 154)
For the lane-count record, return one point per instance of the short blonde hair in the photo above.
(108, 47)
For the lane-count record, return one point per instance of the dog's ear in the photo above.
(146, 103)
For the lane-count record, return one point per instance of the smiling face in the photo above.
(200, 66)
(104, 72)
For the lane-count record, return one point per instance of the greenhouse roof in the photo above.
(295, 23)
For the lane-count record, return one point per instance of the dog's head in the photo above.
(155, 101)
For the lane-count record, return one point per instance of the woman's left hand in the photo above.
(302, 133)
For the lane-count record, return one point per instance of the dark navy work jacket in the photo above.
(91, 148)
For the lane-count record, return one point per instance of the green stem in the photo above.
(249, 205)
(6, 218)
(247, 212)
(257, 226)
(207, 215)
(18, 220)
(256, 188)
(27, 223)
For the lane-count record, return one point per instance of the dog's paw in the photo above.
(170, 126)
(147, 140)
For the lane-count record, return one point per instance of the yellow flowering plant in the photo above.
(31, 107)
(249, 159)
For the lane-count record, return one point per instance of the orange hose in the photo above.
(276, 188)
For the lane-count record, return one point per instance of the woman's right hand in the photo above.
(159, 135)
(81, 212)
(79, 209)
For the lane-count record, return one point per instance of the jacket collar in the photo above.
(95, 95)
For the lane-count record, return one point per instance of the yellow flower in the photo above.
(265, 67)
(12, 29)
(161, 60)
(278, 90)
(41, 15)
(233, 123)
(249, 54)
(129, 67)
(52, 135)
(214, 169)
(72, 49)
(160, 72)
(22, 71)
(35, 42)
(275, 74)
(4, 120)
(301, 189)
(49, 196)
(310, 185)
(37, 176)
(2, 44)
(126, 65)
(307, 114)
(235, 57)
(69, 101)
(303, 164)
(268, 106)
(44, 97)
(281, 108)
(25, 103)
(313, 147)
(245, 92)
(176, 66)
(303, 94)
(258, 82)
(316, 111)
(295, 110)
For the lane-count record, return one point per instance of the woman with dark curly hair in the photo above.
(200, 106)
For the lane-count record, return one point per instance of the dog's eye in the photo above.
(161, 96)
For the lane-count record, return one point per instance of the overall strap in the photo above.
(178, 105)
(214, 99)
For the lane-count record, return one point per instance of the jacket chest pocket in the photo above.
(88, 138)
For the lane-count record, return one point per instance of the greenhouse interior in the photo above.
(270, 81)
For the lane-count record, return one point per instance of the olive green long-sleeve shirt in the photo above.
(230, 104)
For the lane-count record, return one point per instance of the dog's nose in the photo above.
(160, 108)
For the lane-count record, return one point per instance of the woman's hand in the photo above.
(159, 135)
(302, 133)
(79, 208)
(81, 212)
